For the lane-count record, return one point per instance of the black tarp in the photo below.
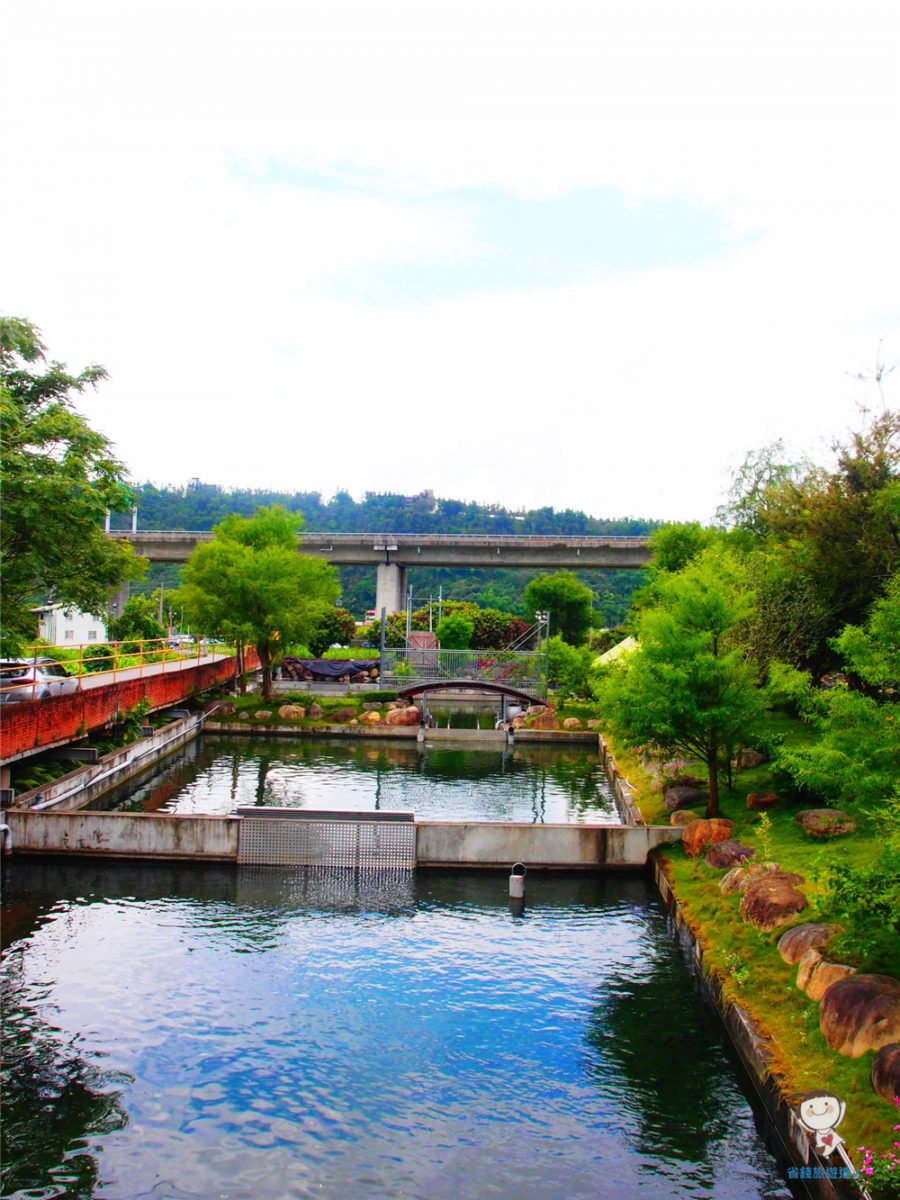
(326, 668)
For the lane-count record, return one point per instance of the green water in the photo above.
(214, 775)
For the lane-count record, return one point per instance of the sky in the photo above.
(579, 254)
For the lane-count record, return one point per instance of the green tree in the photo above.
(855, 757)
(570, 668)
(688, 687)
(454, 632)
(675, 545)
(756, 485)
(873, 652)
(567, 600)
(138, 620)
(838, 530)
(59, 478)
(250, 583)
(330, 625)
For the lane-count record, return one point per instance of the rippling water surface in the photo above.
(439, 782)
(184, 1032)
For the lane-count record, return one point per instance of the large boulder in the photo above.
(221, 708)
(772, 900)
(806, 966)
(403, 716)
(572, 723)
(684, 796)
(759, 801)
(861, 1013)
(368, 706)
(593, 724)
(886, 1072)
(815, 976)
(728, 854)
(699, 835)
(749, 758)
(291, 712)
(342, 715)
(545, 719)
(262, 714)
(315, 712)
(795, 943)
(370, 718)
(684, 816)
(824, 976)
(823, 823)
(739, 879)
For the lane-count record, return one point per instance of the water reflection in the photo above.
(440, 782)
(174, 1032)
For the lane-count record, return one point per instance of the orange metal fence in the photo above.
(45, 670)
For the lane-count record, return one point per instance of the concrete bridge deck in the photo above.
(425, 550)
(393, 554)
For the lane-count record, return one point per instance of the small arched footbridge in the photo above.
(468, 685)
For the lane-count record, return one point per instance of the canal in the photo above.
(441, 782)
(175, 1032)
(194, 1032)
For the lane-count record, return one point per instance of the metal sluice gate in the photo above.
(357, 841)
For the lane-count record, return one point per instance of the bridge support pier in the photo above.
(118, 600)
(390, 588)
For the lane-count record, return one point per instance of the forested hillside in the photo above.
(200, 505)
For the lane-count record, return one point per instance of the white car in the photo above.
(33, 679)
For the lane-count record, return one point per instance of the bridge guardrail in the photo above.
(48, 670)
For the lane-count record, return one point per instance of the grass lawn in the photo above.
(747, 960)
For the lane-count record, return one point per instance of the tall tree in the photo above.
(250, 583)
(59, 476)
(567, 600)
(855, 757)
(688, 687)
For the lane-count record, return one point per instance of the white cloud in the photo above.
(207, 297)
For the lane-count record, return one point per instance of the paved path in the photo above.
(102, 678)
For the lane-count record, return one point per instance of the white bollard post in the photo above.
(517, 882)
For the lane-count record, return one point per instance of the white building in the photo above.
(64, 626)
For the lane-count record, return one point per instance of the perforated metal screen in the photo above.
(356, 844)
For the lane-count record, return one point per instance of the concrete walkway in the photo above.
(103, 678)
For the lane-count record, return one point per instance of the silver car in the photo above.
(33, 679)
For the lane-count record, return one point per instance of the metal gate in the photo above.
(358, 841)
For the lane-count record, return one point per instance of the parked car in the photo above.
(33, 679)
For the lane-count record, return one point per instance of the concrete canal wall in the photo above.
(79, 787)
(562, 847)
(438, 843)
(125, 835)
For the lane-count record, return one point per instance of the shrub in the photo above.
(454, 632)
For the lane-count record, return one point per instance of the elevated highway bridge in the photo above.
(393, 554)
